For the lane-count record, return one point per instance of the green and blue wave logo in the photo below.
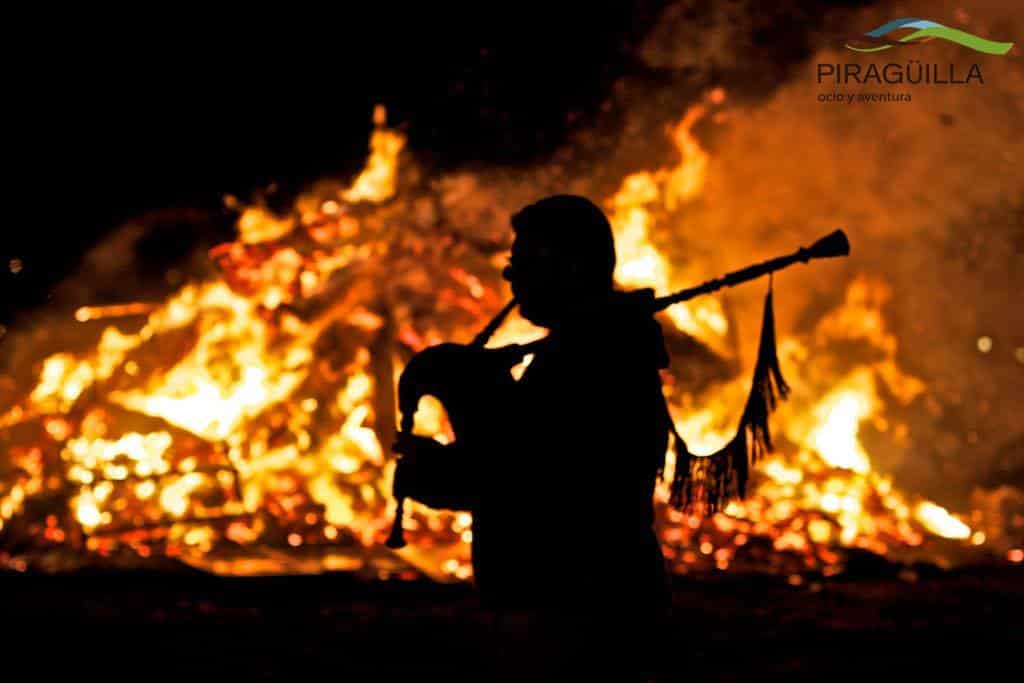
(911, 30)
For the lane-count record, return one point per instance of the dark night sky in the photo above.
(122, 114)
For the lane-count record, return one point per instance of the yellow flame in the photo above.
(230, 374)
(257, 224)
(86, 510)
(377, 181)
(839, 417)
(144, 451)
(940, 522)
(174, 498)
(639, 262)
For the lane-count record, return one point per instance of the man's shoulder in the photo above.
(628, 331)
(636, 326)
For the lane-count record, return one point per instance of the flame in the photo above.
(838, 419)
(100, 457)
(230, 374)
(377, 181)
(939, 521)
(639, 262)
(87, 511)
(257, 224)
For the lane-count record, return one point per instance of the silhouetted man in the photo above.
(563, 540)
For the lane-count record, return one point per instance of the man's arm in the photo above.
(438, 475)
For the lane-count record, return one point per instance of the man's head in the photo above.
(563, 256)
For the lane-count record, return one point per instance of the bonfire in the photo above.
(242, 425)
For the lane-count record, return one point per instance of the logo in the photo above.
(911, 30)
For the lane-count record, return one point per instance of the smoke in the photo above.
(929, 191)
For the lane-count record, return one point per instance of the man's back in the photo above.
(566, 505)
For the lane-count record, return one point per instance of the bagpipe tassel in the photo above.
(710, 482)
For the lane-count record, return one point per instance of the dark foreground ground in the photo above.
(138, 626)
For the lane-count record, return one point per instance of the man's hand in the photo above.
(414, 450)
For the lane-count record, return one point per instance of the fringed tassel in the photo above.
(712, 481)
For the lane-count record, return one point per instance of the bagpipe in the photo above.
(458, 375)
